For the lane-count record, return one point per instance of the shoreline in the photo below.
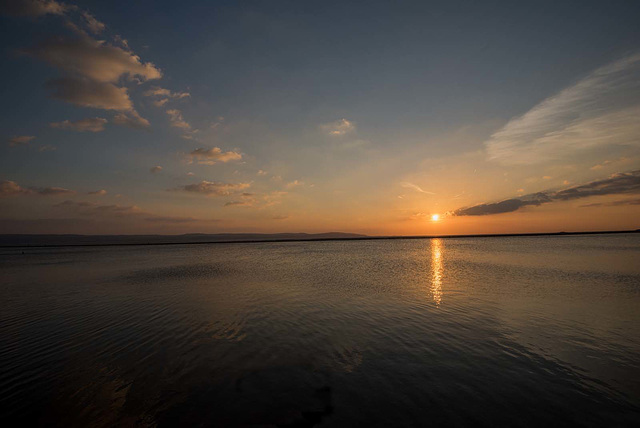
(311, 239)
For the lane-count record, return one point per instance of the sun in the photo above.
(435, 217)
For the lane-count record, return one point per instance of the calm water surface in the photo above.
(443, 332)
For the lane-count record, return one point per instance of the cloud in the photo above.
(11, 188)
(213, 188)
(213, 156)
(20, 140)
(338, 128)
(600, 110)
(415, 187)
(34, 8)
(90, 93)
(620, 183)
(163, 95)
(237, 203)
(294, 183)
(610, 163)
(177, 121)
(100, 192)
(93, 124)
(94, 59)
(280, 217)
(155, 169)
(623, 202)
(171, 219)
(95, 26)
(95, 71)
(47, 148)
(130, 118)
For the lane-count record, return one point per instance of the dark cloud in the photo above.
(236, 203)
(169, 219)
(621, 183)
(614, 203)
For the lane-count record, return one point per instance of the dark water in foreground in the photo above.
(465, 332)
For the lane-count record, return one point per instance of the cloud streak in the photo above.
(11, 188)
(415, 187)
(212, 188)
(212, 156)
(600, 110)
(620, 183)
(93, 124)
(338, 128)
(20, 140)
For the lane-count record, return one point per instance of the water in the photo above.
(466, 332)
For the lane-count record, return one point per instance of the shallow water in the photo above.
(519, 331)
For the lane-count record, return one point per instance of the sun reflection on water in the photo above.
(436, 270)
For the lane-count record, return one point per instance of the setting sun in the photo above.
(435, 217)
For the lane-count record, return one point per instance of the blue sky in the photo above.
(314, 115)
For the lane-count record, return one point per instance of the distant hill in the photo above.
(64, 240)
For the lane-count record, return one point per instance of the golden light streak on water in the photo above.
(437, 270)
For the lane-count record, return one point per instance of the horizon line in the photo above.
(356, 237)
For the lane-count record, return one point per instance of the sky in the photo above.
(274, 116)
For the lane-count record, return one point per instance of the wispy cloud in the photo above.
(162, 95)
(237, 203)
(155, 169)
(294, 183)
(92, 124)
(11, 188)
(622, 202)
(212, 156)
(20, 140)
(338, 128)
(600, 110)
(100, 192)
(621, 183)
(415, 187)
(177, 121)
(213, 188)
(130, 119)
(92, 24)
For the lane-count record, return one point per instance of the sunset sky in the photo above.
(317, 116)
